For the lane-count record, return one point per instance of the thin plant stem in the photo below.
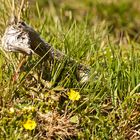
(20, 10)
(13, 7)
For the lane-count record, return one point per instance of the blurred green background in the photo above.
(122, 16)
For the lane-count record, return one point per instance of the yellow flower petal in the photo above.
(29, 124)
(73, 95)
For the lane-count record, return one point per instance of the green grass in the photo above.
(109, 104)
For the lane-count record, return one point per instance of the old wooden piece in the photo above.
(20, 37)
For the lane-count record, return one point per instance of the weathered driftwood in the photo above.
(20, 37)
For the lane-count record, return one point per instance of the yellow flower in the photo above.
(29, 124)
(11, 110)
(73, 95)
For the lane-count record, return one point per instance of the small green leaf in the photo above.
(74, 119)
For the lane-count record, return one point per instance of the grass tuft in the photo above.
(101, 36)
